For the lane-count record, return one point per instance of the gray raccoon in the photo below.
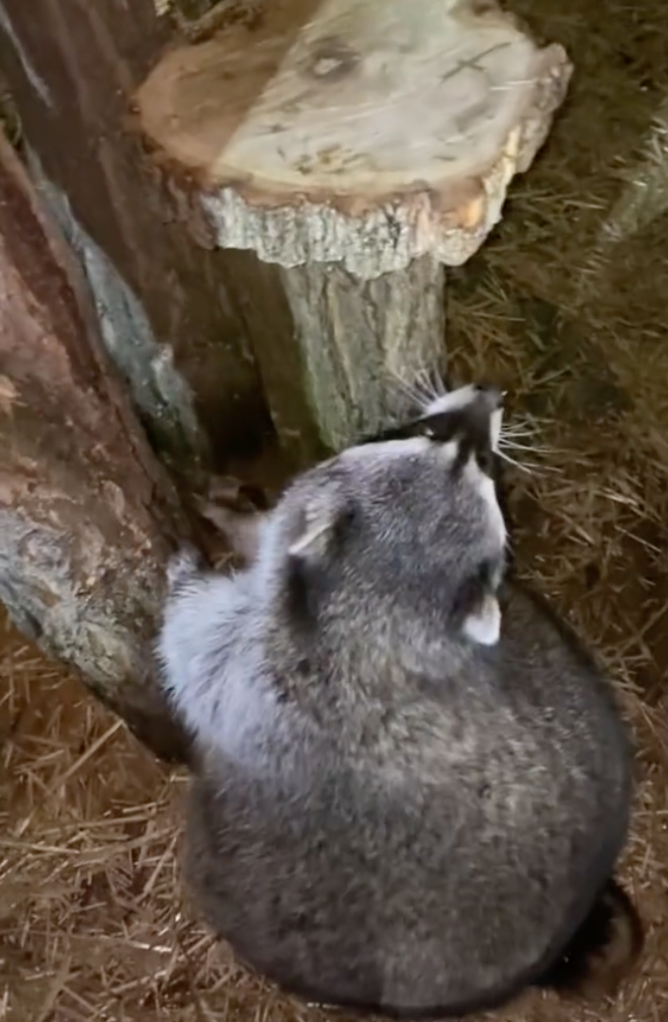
(411, 783)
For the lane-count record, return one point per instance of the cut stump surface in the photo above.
(376, 135)
(410, 117)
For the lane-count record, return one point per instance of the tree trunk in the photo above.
(360, 344)
(87, 515)
(168, 314)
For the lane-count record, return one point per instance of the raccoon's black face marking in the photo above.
(464, 417)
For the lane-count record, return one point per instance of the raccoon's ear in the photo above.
(482, 623)
(324, 522)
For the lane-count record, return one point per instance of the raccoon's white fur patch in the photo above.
(484, 626)
(495, 427)
(451, 401)
(487, 491)
(212, 665)
(416, 445)
(460, 398)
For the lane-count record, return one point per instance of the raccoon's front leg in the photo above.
(204, 621)
(184, 566)
(242, 529)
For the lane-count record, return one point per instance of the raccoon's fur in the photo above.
(411, 783)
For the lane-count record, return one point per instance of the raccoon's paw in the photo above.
(184, 566)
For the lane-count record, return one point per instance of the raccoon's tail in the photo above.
(602, 952)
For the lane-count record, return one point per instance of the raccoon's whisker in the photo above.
(440, 389)
(411, 392)
(426, 387)
(519, 436)
(513, 438)
(414, 388)
(530, 467)
(514, 445)
(430, 384)
(423, 377)
(511, 461)
(516, 431)
(509, 440)
(521, 449)
(423, 385)
(416, 398)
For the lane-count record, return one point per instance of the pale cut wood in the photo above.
(407, 117)
(368, 133)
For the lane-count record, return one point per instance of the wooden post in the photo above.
(359, 145)
(87, 515)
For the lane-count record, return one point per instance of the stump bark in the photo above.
(359, 145)
(87, 514)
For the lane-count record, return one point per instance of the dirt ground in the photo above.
(565, 307)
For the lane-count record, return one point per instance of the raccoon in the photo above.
(411, 784)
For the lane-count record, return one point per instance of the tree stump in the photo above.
(360, 145)
(87, 514)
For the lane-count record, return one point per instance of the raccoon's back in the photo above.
(557, 691)
(448, 878)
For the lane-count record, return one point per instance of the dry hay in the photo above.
(571, 319)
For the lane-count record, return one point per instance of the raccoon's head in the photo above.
(406, 520)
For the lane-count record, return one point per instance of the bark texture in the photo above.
(359, 342)
(87, 515)
(166, 308)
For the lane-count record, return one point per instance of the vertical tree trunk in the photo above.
(167, 315)
(87, 515)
